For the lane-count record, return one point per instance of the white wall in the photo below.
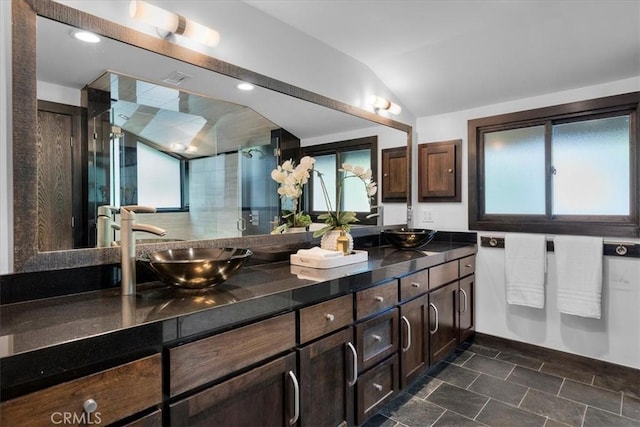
(614, 338)
(393, 213)
(6, 169)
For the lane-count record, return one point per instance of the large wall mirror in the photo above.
(213, 123)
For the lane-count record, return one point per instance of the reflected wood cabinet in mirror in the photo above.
(394, 174)
(27, 255)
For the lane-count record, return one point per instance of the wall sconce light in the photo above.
(172, 23)
(380, 103)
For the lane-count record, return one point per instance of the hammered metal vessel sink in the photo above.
(196, 268)
(409, 238)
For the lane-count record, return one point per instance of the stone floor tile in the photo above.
(489, 366)
(557, 408)
(600, 398)
(453, 374)
(566, 370)
(411, 411)
(598, 418)
(424, 386)
(628, 385)
(485, 351)
(631, 407)
(498, 389)
(379, 420)
(462, 401)
(554, 423)
(500, 414)
(516, 359)
(451, 419)
(535, 379)
(458, 356)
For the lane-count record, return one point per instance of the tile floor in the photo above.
(497, 385)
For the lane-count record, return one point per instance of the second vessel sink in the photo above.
(409, 238)
(196, 268)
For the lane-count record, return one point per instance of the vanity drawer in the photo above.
(414, 284)
(376, 339)
(320, 319)
(376, 387)
(200, 362)
(443, 274)
(376, 299)
(118, 392)
(467, 265)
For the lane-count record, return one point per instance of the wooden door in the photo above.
(394, 174)
(414, 341)
(443, 322)
(327, 380)
(55, 181)
(466, 307)
(264, 396)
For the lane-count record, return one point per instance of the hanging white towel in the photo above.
(579, 271)
(524, 266)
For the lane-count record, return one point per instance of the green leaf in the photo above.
(323, 231)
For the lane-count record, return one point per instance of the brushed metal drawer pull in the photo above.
(380, 299)
(406, 322)
(462, 291)
(376, 337)
(296, 398)
(415, 284)
(90, 406)
(354, 354)
(437, 320)
(377, 386)
(330, 317)
(468, 265)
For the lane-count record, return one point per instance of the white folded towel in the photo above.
(524, 266)
(319, 253)
(579, 271)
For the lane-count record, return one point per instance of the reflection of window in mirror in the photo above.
(329, 158)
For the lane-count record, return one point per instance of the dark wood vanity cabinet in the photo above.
(394, 175)
(102, 398)
(414, 333)
(328, 374)
(267, 395)
(440, 171)
(443, 322)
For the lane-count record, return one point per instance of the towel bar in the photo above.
(620, 249)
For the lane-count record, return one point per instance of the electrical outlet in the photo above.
(427, 215)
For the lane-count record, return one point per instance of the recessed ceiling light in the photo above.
(86, 36)
(245, 86)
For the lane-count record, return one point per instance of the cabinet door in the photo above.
(465, 307)
(439, 171)
(443, 321)
(394, 175)
(414, 354)
(328, 373)
(265, 396)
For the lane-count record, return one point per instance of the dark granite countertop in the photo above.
(58, 336)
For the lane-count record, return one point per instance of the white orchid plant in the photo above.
(334, 218)
(292, 179)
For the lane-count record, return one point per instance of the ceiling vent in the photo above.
(176, 78)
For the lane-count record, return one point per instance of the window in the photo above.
(329, 158)
(568, 169)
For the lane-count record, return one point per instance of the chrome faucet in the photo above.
(128, 226)
(379, 214)
(105, 225)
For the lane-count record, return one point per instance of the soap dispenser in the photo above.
(342, 244)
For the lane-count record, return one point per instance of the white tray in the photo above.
(356, 256)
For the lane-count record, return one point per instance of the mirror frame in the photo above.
(24, 99)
